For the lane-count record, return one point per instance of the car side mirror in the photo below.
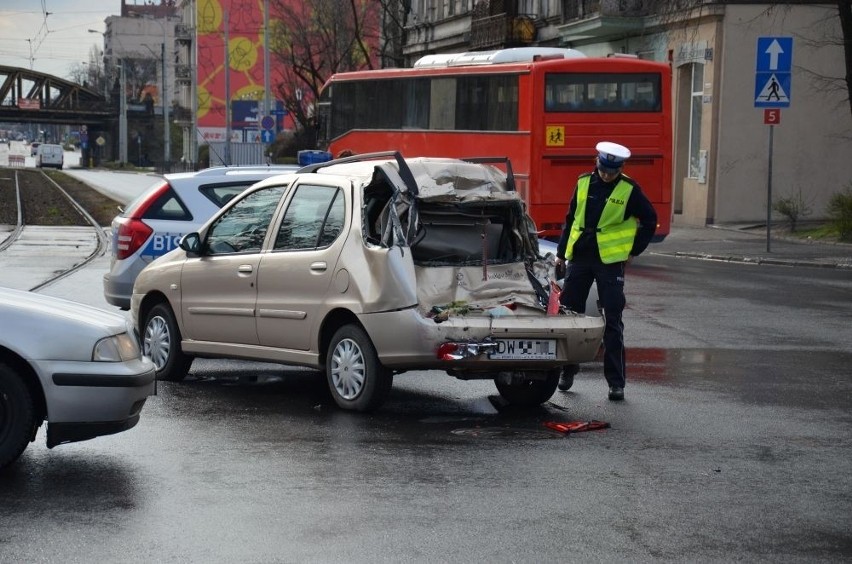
(191, 243)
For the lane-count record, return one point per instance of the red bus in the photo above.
(544, 108)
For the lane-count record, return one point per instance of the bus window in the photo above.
(487, 103)
(417, 95)
(602, 92)
(442, 113)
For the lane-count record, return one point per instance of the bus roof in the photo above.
(513, 55)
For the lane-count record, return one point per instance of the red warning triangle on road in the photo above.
(568, 427)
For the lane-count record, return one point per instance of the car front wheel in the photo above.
(356, 378)
(17, 415)
(161, 342)
(527, 392)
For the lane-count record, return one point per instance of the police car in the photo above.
(153, 224)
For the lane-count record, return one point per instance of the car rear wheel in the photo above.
(356, 378)
(17, 415)
(527, 392)
(161, 342)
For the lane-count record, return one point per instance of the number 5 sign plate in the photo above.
(772, 117)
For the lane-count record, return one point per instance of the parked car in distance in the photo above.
(155, 221)
(366, 267)
(50, 155)
(77, 367)
(34, 148)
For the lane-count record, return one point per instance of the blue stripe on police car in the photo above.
(161, 243)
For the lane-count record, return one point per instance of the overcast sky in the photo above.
(59, 40)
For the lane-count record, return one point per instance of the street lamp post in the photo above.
(122, 107)
(165, 98)
(122, 115)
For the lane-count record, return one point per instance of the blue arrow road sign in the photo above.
(773, 72)
(267, 136)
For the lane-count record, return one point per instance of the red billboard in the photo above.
(246, 53)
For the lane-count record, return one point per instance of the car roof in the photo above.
(428, 178)
(229, 171)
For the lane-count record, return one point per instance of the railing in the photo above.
(183, 72)
(183, 32)
(502, 30)
(582, 9)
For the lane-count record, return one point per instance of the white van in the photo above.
(49, 155)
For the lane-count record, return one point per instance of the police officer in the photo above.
(609, 222)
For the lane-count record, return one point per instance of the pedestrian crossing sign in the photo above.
(774, 90)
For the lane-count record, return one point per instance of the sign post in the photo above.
(772, 85)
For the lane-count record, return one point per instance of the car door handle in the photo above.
(245, 269)
(319, 266)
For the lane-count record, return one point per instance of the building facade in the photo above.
(721, 141)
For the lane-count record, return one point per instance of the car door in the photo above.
(294, 277)
(219, 288)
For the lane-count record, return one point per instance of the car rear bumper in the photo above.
(407, 340)
(117, 292)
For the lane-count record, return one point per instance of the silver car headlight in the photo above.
(117, 348)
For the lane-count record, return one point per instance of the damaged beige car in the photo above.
(364, 268)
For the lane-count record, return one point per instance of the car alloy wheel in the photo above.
(161, 342)
(356, 378)
(347, 370)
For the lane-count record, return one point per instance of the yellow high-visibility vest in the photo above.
(614, 233)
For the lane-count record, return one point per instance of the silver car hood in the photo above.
(44, 327)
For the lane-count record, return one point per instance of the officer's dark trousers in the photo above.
(610, 281)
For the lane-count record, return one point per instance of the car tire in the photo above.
(161, 343)
(17, 415)
(356, 379)
(528, 392)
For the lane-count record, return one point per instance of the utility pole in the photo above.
(165, 99)
(227, 94)
(266, 108)
(122, 115)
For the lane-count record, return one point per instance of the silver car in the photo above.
(77, 367)
(155, 221)
(364, 268)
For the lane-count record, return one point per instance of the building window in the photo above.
(695, 110)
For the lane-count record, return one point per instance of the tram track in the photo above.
(52, 222)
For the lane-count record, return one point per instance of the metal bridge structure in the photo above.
(28, 96)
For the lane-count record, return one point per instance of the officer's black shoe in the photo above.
(565, 382)
(616, 393)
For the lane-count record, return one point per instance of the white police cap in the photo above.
(611, 156)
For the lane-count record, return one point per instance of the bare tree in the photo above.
(672, 13)
(844, 7)
(314, 39)
(394, 18)
(90, 73)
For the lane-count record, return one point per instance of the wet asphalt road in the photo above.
(733, 444)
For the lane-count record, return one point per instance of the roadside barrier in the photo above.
(16, 160)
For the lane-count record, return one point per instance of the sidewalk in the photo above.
(744, 243)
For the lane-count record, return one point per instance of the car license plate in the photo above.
(524, 349)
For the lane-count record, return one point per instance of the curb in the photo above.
(754, 260)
